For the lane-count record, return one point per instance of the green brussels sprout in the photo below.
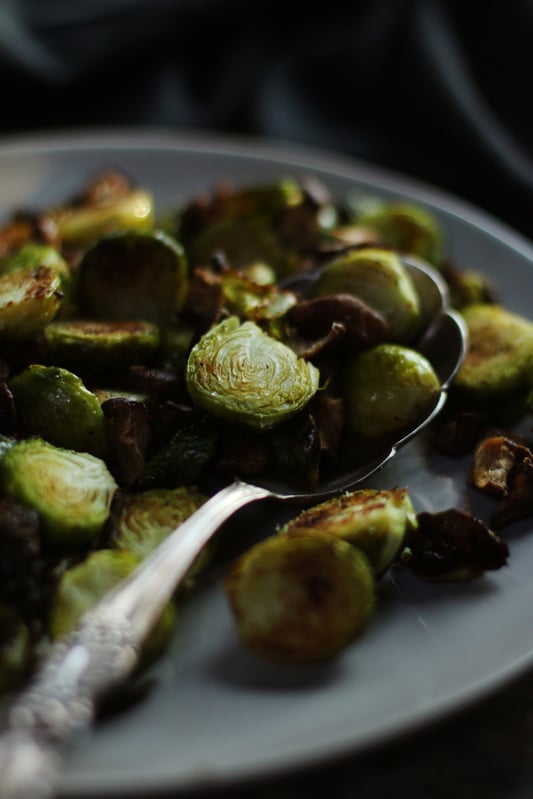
(15, 649)
(374, 520)
(55, 404)
(238, 372)
(97, 349)
(71, 491)
(405, 227)
(378, 277)
(78, 225)
(499, 358)
(29, 300)
(133, 276)
(388, 389)
(144, 519)
(301, 597)
(82, 586)
(33, 255)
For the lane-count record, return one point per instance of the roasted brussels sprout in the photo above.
(374, 520)
(142, 520)
(83, 585)
(499, 361)
(29, 300)
(239, 373)
(98, 349)
(388, 388)
(78, 225)
(133, 276)
(301, 597)
(55, 404)
(406, 227)
(71, 491)
(378, 277)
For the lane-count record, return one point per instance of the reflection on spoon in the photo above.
(103, 650)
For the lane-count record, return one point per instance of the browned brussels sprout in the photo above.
(133, 276)
(239, 373)
(71, 491)
(55, 404)
(83, 585)
(498, 367)
(388, 389)
(99, 349)
(29, 300)
(374, 520)
(301, 597)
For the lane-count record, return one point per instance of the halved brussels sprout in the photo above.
(78, 225)
(388, 389)
(301, 597)
(378, 277)
(29, 300)
(55, 404)
(71, 491)
(499, 359)
(99, 348)
(374, 520)
(133, 276)
(405, 227)
(82, 586)
(238, 372)
(243, 242)
(143, 519)
(32, 255)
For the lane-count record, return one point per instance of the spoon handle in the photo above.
(101, 653)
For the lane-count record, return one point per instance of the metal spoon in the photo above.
(103, 651)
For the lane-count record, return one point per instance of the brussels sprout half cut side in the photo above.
(83, 585)
(71, 491)
(133, 276)
(238, 372)
(499, 360)
(99, 348)
(301, 597)
(29, 300)
(374, 520)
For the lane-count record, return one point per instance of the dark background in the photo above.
(438, 89)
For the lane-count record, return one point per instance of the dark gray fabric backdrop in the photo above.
(440, 89)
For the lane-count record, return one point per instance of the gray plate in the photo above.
(216, 715)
